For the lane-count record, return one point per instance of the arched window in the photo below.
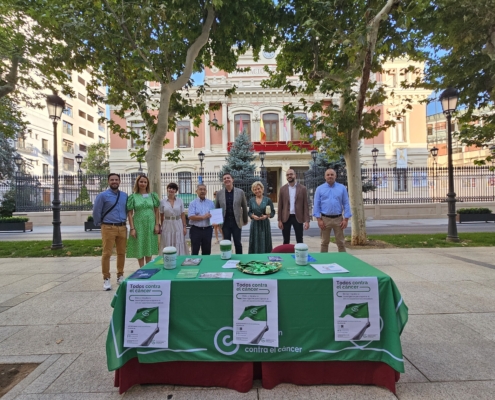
(246, 124)
(295, 134)
(183, 138)
(270, 121)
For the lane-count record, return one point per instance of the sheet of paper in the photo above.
(297, 271)
(147, 314)
(192, 261)
(255, 313)
(231, 264)
(216, 216)
(356, 308)
(329, 268)
(217, 275)
(187, 273)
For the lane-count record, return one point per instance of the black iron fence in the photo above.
(381, 186)
(78, 192)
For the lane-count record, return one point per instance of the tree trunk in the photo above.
(355, 187)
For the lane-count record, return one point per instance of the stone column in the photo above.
(207, 132)
(225, 138)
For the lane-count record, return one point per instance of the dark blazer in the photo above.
(240, 206)
(301, 204)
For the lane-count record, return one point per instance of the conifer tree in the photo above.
(240, 159)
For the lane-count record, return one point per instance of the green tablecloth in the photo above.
(201, 313)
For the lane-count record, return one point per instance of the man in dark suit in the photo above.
(293, 209)
(233, 203)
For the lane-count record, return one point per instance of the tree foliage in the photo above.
(130, 44)
(96, 161)
(460, 36)
(7, 153)
(239, 162)
(333, 47)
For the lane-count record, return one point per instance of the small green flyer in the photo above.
(294, 271)
(158, 261)
(187, 273)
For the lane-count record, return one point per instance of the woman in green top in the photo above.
(260, 210)
(142, 211)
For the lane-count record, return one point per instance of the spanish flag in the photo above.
(262, 132)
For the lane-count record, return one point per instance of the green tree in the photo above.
(240, 158)
(460, 36)
(333, 47)
(7, 153)
(130, 44)
(96, 161)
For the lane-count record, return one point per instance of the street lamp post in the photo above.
(201, 157)
(55, 106)
(314, 153)
(449, 98)
(434, 154)
(79, 159)
(263, 170)
(374, 154)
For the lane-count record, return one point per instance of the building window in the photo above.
(90, 118)
(91, 135)
(45, 169)
(398, 132)
(138, 128)
(101, 127)
(400, 181)
(294, 132)
(44, 146)
(81, 97)
(270, 121)
(68, 110)
(185, 182)
(21, 143)
(81, 81)
(101, 111)
(101, 139)
(82, 131)
(429, 129)
(89, 101)
(82, 147)
(68, 164)
(82, 114)
(183, 138)
(246, 124)
(68, 147)
(67, 128)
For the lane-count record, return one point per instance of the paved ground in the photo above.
(55, 313)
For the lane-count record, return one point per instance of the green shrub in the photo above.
(90, 218)
(9, 220)
(474, 210)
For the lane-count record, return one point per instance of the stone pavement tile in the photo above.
(53, 372)
(21, 298)
(438, 272)
(71, 396)
(82, 283)
(96, 310)
(453, 361)
(8, 279)
(53, 339)
(7, 296)
(32, 283)
(324, 392)
(422, 391)
(399, 275)
(89, 373)
(420, 298)
(2, 309)
(440, 328)
(17, 389)
(36, 359)
(159, 392)
(483, 323)
(489, 283)
(8, 331)
(471, 296)
(377, 260)
(412, 374)
(46, 308)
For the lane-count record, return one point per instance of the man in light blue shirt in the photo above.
(110, 212)
(331, 199)
(201, 231)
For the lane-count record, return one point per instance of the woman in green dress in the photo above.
(260, 210)
(142, 211)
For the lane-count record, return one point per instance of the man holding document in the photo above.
(200, 212)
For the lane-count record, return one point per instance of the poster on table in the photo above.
(356, 309)
(256, 312)
(147, 311)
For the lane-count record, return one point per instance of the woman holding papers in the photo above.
(260, 210)
(173, 220)
(142, 212)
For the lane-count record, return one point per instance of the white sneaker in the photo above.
(120, 279)
(107, 285)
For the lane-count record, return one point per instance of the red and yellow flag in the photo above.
(262, 132)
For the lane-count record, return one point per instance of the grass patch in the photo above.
(72, 248)
(471, 239)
